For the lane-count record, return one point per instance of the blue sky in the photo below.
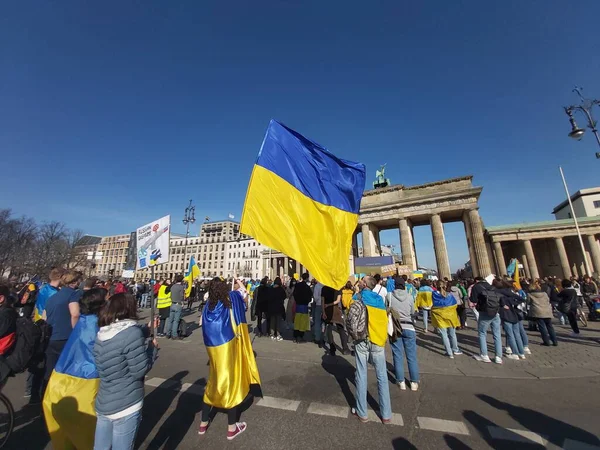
(113, 113)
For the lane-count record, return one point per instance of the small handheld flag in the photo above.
(193, 272)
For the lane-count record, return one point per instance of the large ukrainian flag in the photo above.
(72, 388)
(232, 364)
(304, 202)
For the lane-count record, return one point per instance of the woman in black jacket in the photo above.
(276, 298)
(510, 319)
(259, 306)
(567, 304)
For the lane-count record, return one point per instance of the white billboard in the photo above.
(153, 243)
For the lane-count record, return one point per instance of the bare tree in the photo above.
(27, 249)
(17, 236)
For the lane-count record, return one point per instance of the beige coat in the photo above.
(539, 304)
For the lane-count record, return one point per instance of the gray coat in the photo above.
(122, 358)
(539, 304)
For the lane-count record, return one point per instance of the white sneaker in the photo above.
(482, 358)
(508, 351)
(279, 338)
(458, 353)
(414, 386)
(521, 356)
(402, 385)
(527, 351)
(498, 360)
(573, 334)
(451, 356)
(511, 356)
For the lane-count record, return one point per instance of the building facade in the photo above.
(113, 255)
(549, 248)
(244, 258)
(586, 203)
(209, 249)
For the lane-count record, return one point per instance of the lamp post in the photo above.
(585, 107)
(188, 217)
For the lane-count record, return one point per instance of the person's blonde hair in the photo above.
(441, 286)
(56, 274)
(71, 276)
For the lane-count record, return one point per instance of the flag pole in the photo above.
(585, 260)
(152, 283)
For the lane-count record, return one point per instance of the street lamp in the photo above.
(188, 217)
(585, 107)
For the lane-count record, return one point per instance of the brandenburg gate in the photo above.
(404, 207)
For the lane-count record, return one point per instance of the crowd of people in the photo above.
(83, 337)
(397, 304)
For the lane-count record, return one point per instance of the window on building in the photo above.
(597, 204)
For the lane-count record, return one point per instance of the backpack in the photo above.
(182, 329)
(30, 346)
(397, 325)
(357, 321)
(489, 302)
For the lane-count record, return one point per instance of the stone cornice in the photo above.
(400, 187)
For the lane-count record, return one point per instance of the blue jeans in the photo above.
(118, 434)
(318, 323)
(483, 324)
(173, 320)
(524, 336)
(406, 345)
(362, 351)
(449, 338)
(425, 317)
(513, 336)
(144, 303)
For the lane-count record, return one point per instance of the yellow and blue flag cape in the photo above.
(424, 299)
(443, 311)
(191, 275)
(304, 202)
(232, 364)
(378, 319)
(46, 291)
(71, 392)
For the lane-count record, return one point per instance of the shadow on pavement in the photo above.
(426, 341)
(30, 429)
(173, 430)
(402, 444)
(556, 431)
(482, 425)
(343, 372)
(454, 443)
(156, 404)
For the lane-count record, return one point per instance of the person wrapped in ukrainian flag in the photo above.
(71, 391)
(424, 301)
(232, 364)
(445, 318)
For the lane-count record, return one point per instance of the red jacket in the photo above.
(120, 288)
(156, 288)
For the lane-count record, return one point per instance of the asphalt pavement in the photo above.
(548, 401)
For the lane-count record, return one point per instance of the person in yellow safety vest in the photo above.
(163, 303)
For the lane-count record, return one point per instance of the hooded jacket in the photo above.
(403, 303)
(122, 359)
